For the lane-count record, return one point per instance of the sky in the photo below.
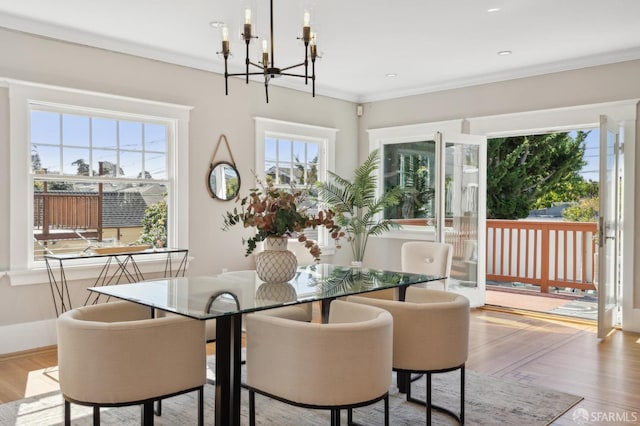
(591, 155)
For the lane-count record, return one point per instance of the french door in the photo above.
(608, 227)
(461, 210)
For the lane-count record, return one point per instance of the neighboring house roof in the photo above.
(550, 212)
(122, 209)
(152, 194)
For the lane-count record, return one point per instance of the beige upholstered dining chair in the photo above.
(345, 363)
(430, 335)
(114, 354)
(427, 257)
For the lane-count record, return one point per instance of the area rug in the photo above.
(490, 401)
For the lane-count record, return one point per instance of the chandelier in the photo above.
(267, 66)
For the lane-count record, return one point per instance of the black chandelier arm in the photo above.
(292, 66)
(246, 61)
(313, 78)
(293, 75)
(266, 86)
(306, 62)
(226, 76)
(257, 65)
(237, 74)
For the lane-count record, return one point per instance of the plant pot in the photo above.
(276, 264)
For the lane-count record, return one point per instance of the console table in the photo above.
(118, 267)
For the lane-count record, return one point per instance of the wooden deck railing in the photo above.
(61, 216)
(544, 253)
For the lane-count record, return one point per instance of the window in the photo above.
(297, 154)
(412, 167)
(85, 167)
(93, 179)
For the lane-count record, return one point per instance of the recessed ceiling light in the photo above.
(505, 52)
(216, 24)
(493, 9)
(391, 74)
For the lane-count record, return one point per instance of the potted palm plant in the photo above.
(357, 207)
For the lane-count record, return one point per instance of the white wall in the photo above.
(41, 60)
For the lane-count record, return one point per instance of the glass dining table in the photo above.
(228, 296)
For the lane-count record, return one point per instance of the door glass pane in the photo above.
(462, 179)
(411, 166)
(610, 221)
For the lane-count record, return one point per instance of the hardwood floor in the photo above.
(562, 355)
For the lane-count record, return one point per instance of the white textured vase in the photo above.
(276, 264)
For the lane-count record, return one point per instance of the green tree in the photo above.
(574, 189)
(154, 225)
(584, 211)
(522, 169)
(36, 163)
(83, 167)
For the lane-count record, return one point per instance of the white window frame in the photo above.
(23, 269)
(380, 137)
(324, 136)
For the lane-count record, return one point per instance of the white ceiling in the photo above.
(430, 44)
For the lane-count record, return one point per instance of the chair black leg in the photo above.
(428, 399)
(430, 406)
(335, 417)
(201, 406)
(462, 383)
(252, 408)
(67, 413)
(147, 414)
(386, 410)
(96, 416)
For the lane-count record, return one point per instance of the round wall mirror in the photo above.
(223, 181)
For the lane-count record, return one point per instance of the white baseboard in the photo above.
(28, 335)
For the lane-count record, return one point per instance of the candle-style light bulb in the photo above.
(313, 47)
(265, 53)
(225, 41)
(306, 29)
(247, 25)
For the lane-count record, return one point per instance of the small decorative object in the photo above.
(278, 212)
(276, 264)
(357, 207)
(121, 249)
(223, 180)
